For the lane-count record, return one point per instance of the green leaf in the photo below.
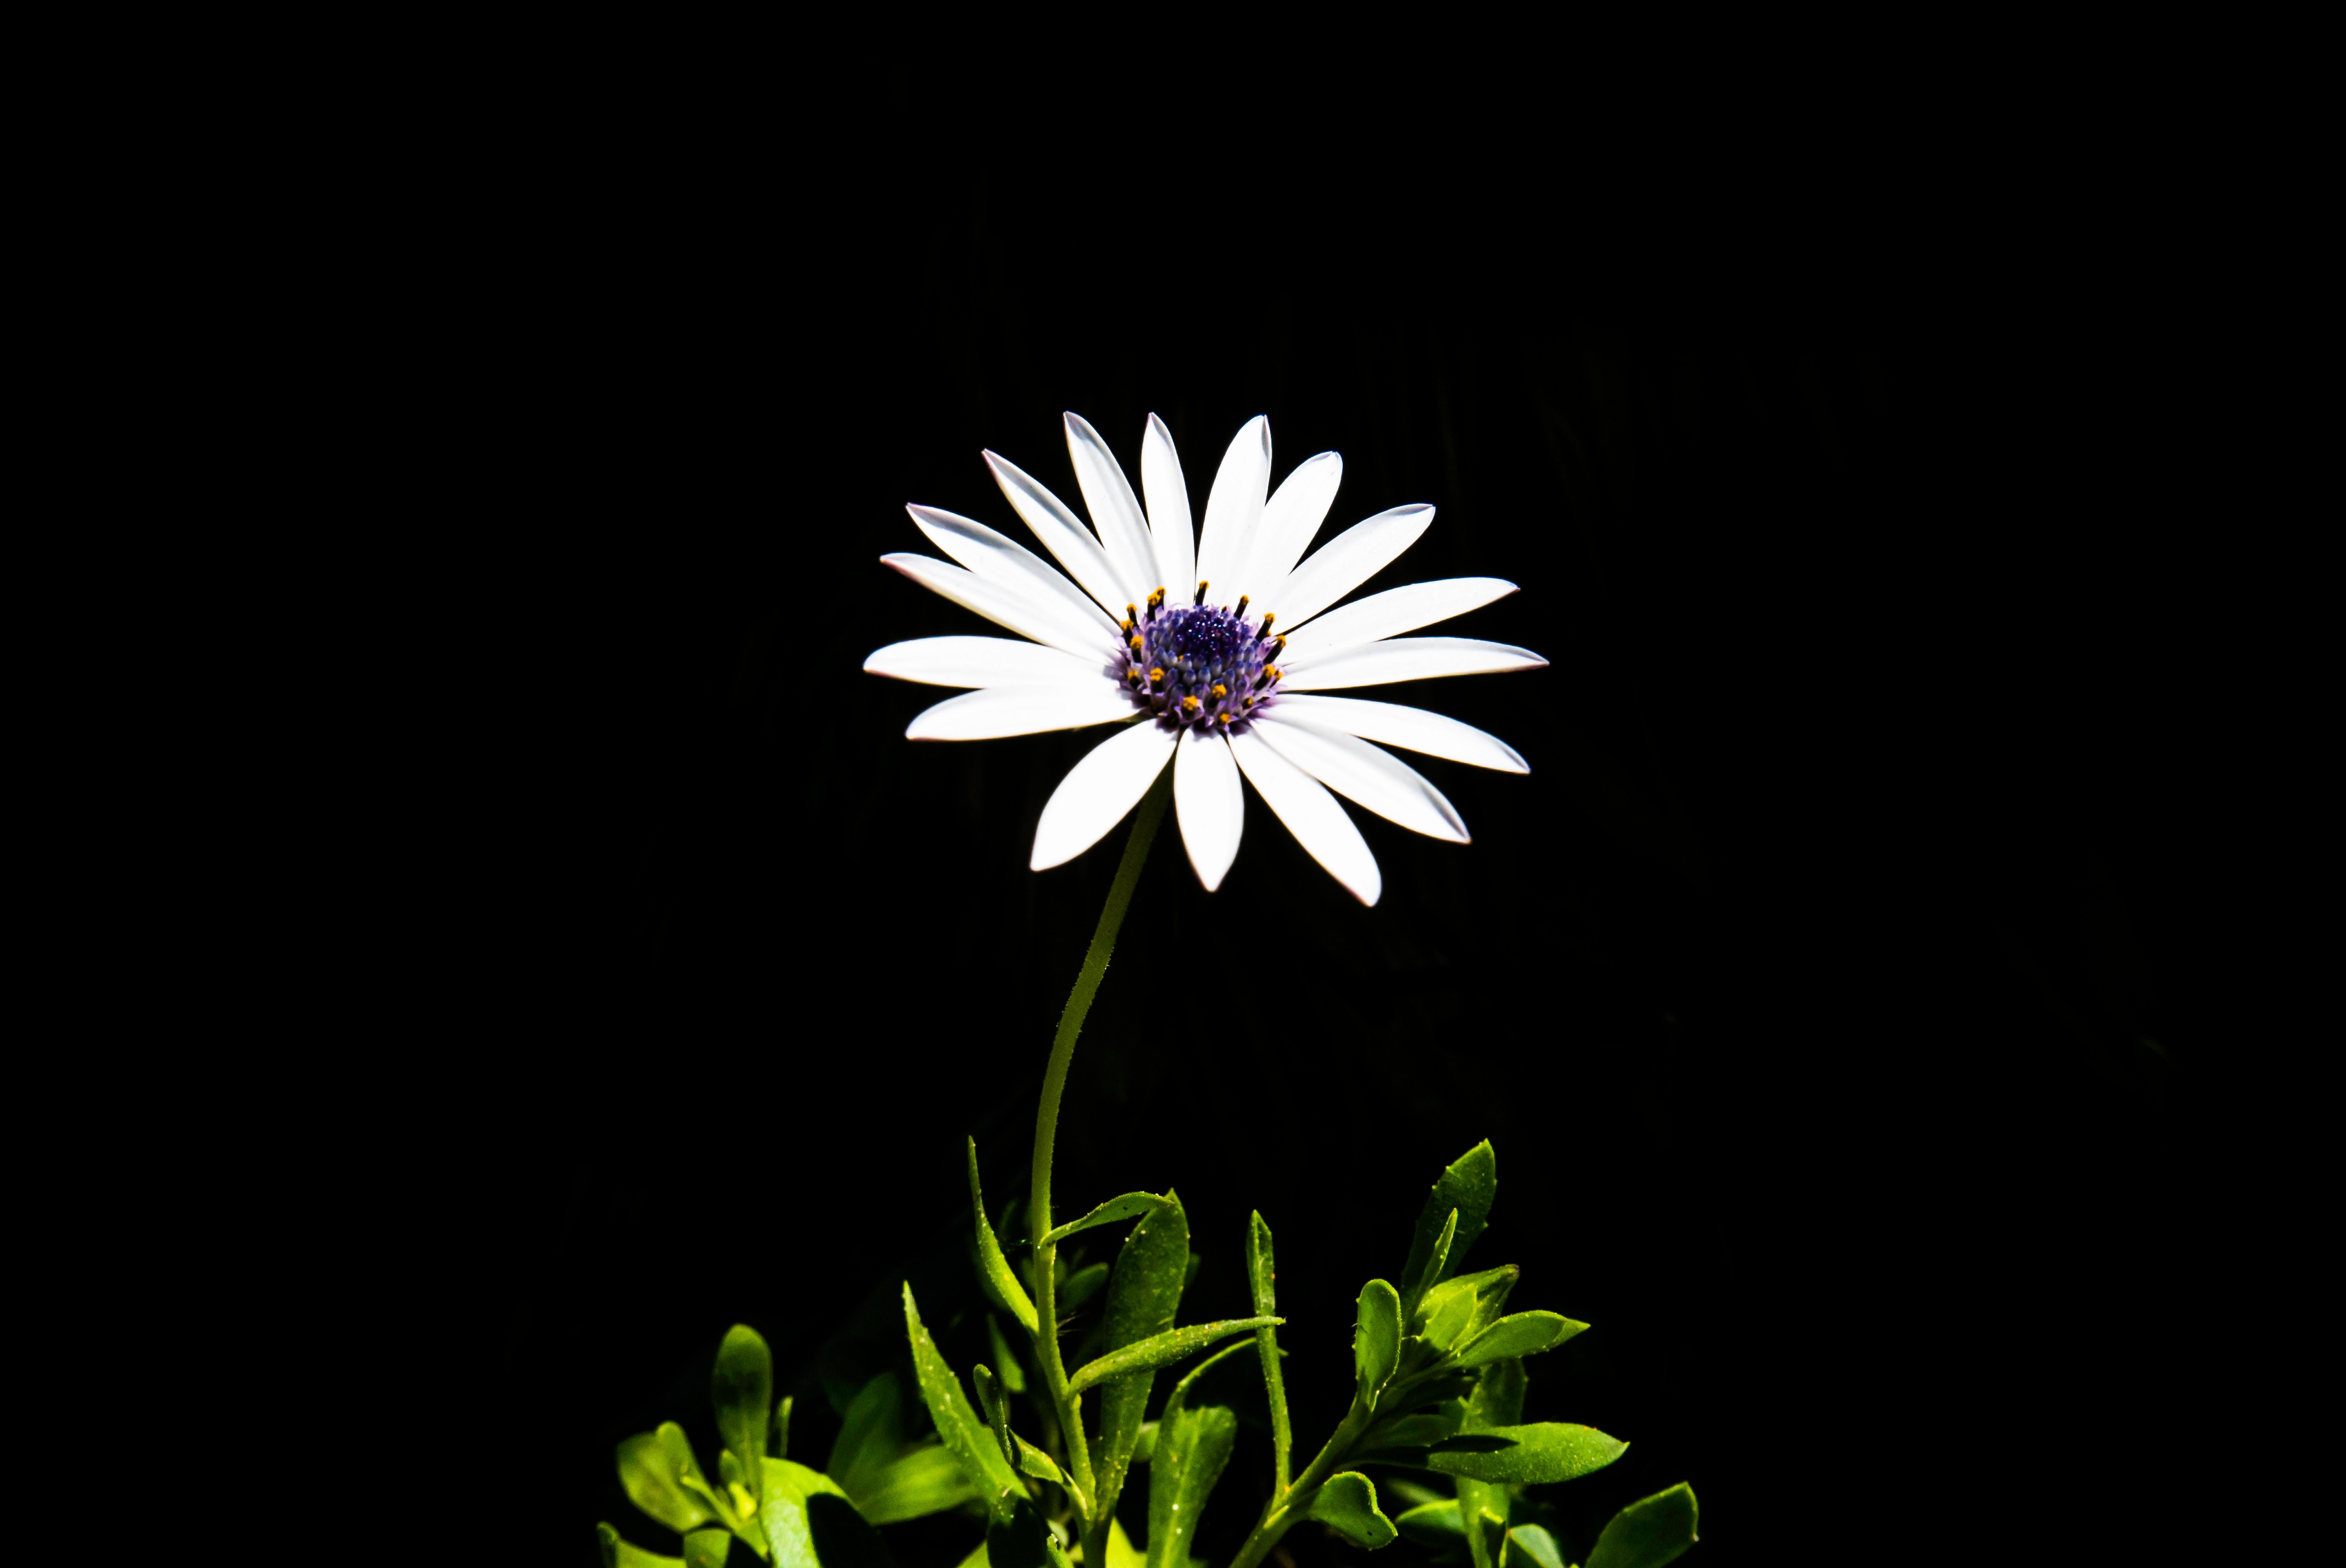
(812, 1524)
(1519, 1456)
(1525, 1334)
(1121, 1553)
(1376, 1339)
(1468, 1186)
(1648, 1532)
(1262, 1274)
(1426, 1272)
(1022, 1541)
(871, 1434)
(1421, 1431)
(654, 1467)
(991, 1405)
(1434, 1525)
(1192, 1449)
(1349, 1502)
(927, 1480)
(990, 1261)
(1129, 1207)
(1161, 1351)
(779, 1446)
(742, 1493)
(1144, 1292)
(1444, 1314)
(1530, 1546)
(741, 1391)
(1012, 1372)
(1492, 1288)
(1034, 1461)
(619, 1552)
(1433, 1391)
(964, 1436)
(708, 1548)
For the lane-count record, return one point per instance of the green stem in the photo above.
(1281, 1513)
(1046, 1115)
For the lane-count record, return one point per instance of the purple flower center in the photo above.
(1202, 667)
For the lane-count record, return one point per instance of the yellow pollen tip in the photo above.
(1220, 691)
(1225, 718)
(1157, 672)
(1190, 702)
(1271, 670)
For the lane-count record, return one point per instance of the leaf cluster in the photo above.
(1438, 1396)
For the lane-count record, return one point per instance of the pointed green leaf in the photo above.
(664, 1480)
(1034, 1461)
(1161, 1351)
(991, 1405)
(1144, 1293)
(964, 1435)
(1434, 1525)
(1525, 1334)
(1129, 1207)
(1262, 1273)
(1433, 1391)
(1444, 1314)
(1530, 1546)
(1421, 1431)
(924, 1481)
(1180, 1394)
(1192, 1449)
(738, 1500)
(620, 1553)
(1012, 1372)
(779, 1445)
(1426, 1272)
(708, 1548)
(741, 1391)
(1492, 1288)
(1121, 1553)
(1648, 1532)
(990, 1261)
(871, 1434)
(1519, 1456)
(1376, 1339)
(1349, 1502)
(1467, 1186)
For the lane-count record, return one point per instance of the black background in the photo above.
(1827, 988)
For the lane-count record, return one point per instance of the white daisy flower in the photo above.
(1170, 634)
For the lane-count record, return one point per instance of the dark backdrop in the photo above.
(1825, 987)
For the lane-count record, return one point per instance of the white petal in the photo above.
(1115, 511)
(1345, 562)
(1290, 519)
(1411, 658)
(1170, 526)
(1098, 791)
(1312, 814)
(1066, 538)
(1389, 614)
(1211, 805)
(1047, 621)
(1411, 728)
(1233, 510)
(983, 661)
(1360, 771)
(1001, 710)
(991, 555)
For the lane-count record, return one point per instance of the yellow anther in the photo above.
(1225, 718)
(1270, 672)
(1267, 618)
(1136, 644)
(1220, 691)
(1156, 674)
(1189, 703)
(1240, 611)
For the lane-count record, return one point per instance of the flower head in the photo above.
(1209, 646)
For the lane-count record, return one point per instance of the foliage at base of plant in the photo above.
(1436, 1411)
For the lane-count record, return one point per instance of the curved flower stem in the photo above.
(1046, 1115)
